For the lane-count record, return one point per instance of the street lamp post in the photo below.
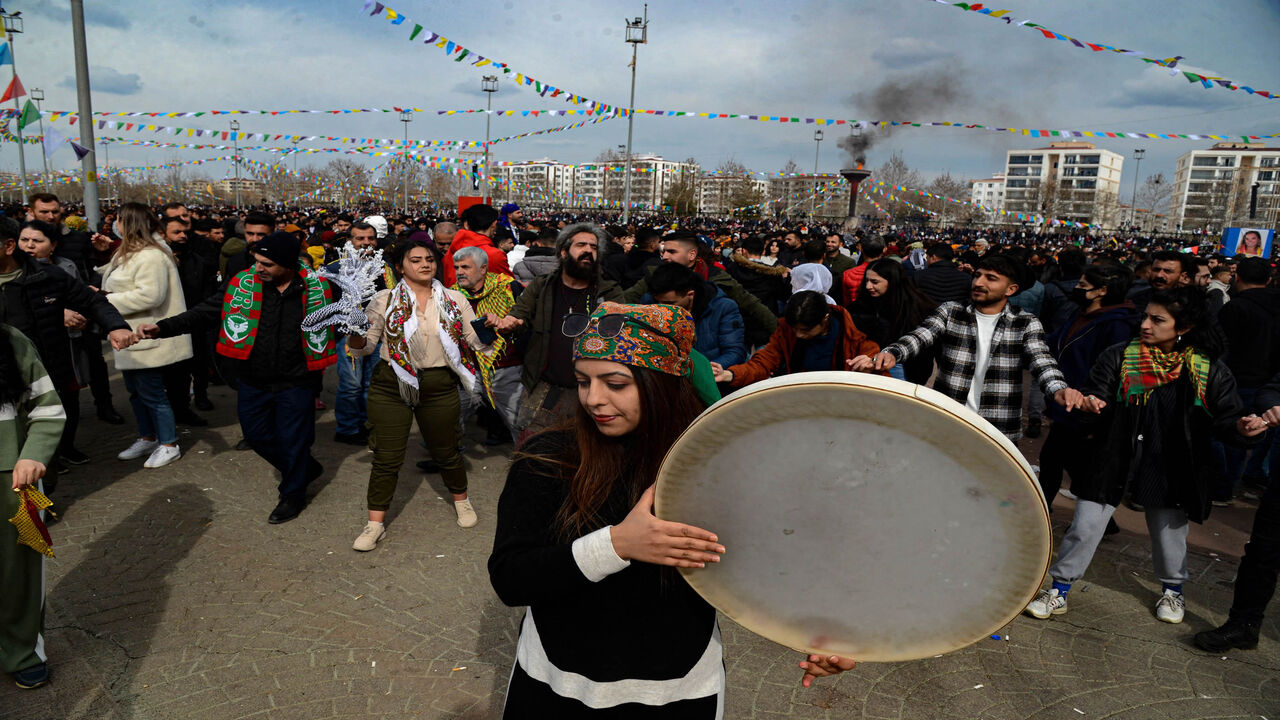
(489, 84)
(406, 117)
(817, 142)
(1133, 211)
(637, 35)
(37, 95)
(13, 26)
(235, 158)
(297, 184)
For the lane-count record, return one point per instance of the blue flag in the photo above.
(6, 56)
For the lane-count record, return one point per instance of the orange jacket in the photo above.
(466, 238)
(775, 357)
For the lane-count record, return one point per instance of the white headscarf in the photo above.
(812, 276)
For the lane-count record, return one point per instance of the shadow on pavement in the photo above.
(110, 605)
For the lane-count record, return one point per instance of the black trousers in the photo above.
(177, 386)
(1256, 582)
(1065, 449)
(99, 383)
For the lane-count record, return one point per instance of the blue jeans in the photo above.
(281, 427)
(150, 405)
(351, 411)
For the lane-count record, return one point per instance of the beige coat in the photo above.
(146, 288)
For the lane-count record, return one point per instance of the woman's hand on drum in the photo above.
(823, 665)
(643, 536)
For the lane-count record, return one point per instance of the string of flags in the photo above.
(236, 136)
(458, 53)
(1171, 63)
(882, 124)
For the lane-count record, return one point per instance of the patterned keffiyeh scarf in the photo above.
(1146, 368)
(402, 324)
(496, 298)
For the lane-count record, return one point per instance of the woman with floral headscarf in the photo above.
(611, 629)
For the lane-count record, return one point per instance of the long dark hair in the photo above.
(1189, 308)
(902, 307)
(11, 384)
(596, 464)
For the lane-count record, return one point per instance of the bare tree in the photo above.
(949, 213)
(612, 174)
(682, 192)
(739, 191)
(895, 171)
(347, 177)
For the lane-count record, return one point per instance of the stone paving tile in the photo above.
(171, 597)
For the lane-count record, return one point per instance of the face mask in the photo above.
(115, 229)
(1080, 296)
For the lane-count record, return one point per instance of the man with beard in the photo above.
(553, 310)
(1169, 269)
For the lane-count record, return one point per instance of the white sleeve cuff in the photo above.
(595, 555)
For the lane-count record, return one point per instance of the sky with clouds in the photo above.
(890, 59)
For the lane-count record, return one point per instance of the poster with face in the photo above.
(1247, 242)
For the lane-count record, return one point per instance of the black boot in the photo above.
(1233, 634)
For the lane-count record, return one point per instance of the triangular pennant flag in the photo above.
(53, 141)
(79, 150)
(29, 115)
(6, 55)
(15, 90)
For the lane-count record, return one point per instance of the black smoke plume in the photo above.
(917, 97)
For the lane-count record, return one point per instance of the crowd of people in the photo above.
(589, 346)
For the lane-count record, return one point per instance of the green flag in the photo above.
(29, 115)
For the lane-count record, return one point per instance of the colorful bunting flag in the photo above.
(79, 150)
(1171, 63)
(30, 115)
(53, 141)
(6, 55)
(15, 89)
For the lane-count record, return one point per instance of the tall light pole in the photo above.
(235, 158)
(489, 84)
(106, 168)
(406, 117)
(13, 26)
(637, 35)
(297, 181)
(1133, 211)
(817, 142)
(37, 95)
(84, 105)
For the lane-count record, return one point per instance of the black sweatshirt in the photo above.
(640, 622)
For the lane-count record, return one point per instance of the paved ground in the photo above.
(171, 597)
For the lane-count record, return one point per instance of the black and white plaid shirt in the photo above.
(952, 334)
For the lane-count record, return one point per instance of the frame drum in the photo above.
(862, 516)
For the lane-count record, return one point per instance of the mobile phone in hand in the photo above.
(486, 334)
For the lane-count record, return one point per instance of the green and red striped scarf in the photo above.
(1146, 368)
(242, 307)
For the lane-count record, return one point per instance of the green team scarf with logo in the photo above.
(242, 306)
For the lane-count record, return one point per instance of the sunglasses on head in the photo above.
(609, 326)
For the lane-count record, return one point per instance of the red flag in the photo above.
(15, 90)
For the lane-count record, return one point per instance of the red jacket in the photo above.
(852, 280)
(466, 238)
(775, 357)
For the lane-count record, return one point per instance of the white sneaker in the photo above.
(369, 536)
(1170, 607)
(466, 514)
(138, 449)
(1047, 603)
(162, 455)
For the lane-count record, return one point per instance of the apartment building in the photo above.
(1074, 181)
(1230, 184)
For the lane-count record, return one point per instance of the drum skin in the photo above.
(861, 516)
